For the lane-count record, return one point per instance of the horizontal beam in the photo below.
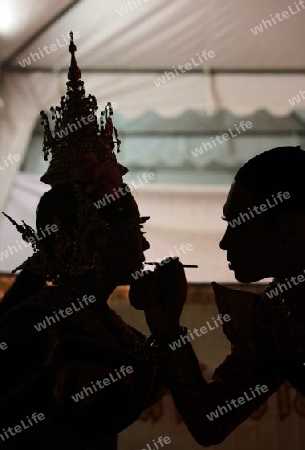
(203, 134)
(135, 71)
(210, 133)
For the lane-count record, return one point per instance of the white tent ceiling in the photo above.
(134, 48)
(122, 53)
(157, 34)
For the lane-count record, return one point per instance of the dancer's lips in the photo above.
(230, 264)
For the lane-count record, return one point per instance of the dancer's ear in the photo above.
(95, 241)
(290, 228)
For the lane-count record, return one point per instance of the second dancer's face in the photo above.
(254, 248)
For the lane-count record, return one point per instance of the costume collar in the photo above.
(240, 305)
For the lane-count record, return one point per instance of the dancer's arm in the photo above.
(237, 379)
(196, 399)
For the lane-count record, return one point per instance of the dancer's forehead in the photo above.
(239, 199)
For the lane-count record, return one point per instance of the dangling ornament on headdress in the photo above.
(82, 149)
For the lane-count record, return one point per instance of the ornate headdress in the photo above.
(83, 150)
(77, 132)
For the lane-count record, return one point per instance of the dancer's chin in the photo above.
(127, 279)
(243, 277)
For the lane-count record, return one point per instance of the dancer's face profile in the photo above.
(256, 248)
(124, 254)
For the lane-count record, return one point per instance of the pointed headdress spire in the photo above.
(77, 131)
